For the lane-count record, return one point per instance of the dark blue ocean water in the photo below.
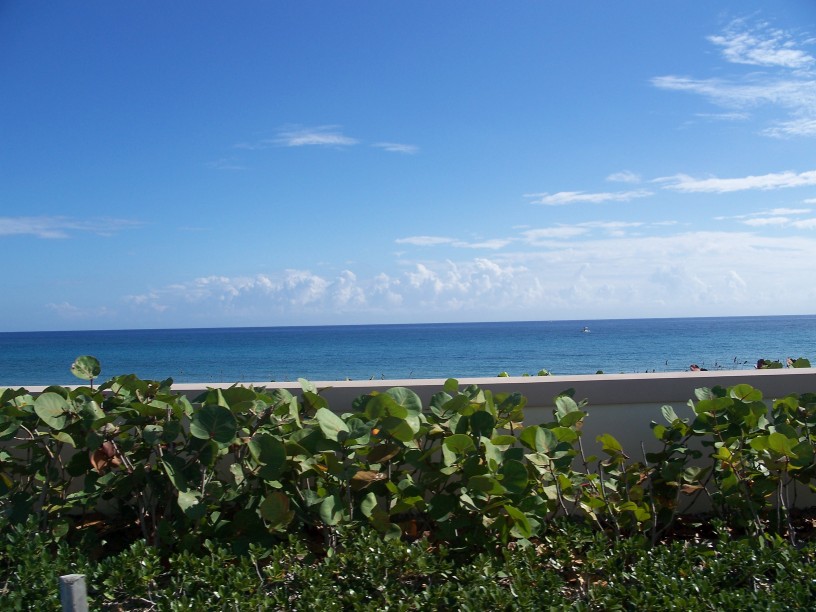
(362, 352)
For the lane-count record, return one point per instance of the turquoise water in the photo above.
(409, 351)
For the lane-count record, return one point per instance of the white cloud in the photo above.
(557, 271)
(535, 236)
(546, 235)
(787, 83)
(67, 310)
(321, 136)
(387, 290)
(612, 225)
(624, 177)
(395, 147)
(794, 127)
(318, 136)
(760, 46)
(572, 197)
(735, 116)
(493, 244)
(775, 217)
(766, 221)
(796, 95)
(790, 211)
(61, 227)
(346, 291)
(424, 240)
(779, 180)
(423, 277)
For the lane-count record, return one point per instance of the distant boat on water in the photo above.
(585, 330)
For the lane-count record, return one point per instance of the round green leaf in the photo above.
(368, 504)
(515, 477)
(270, 453)
(330, 424)
(191, 505)
(520, 521)
(745, 393)
(53, 409)
(538, 439)
(8, 427)
(267, 449)
(459, 443)
(331, 510)
(482, 424)
(406, 398)
(214, 423)
(86, 367)
(400, 429)
(781, 444)
(485, 483)
(610, 443)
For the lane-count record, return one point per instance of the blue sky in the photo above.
(197, 164)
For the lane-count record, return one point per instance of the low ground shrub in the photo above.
(573, 567)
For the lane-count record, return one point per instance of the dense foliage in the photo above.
(267, 486)
(572, 567)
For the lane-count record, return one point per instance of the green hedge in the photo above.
(573, 567)
(252, 465)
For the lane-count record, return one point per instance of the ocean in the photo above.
(443, 350)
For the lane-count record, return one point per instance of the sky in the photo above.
(257, 163)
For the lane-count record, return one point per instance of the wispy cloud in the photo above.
(425, 241)
(395, 147)
(62, 227)
(764, 182)
(67, 310)
(625, 176)
(225, 164)
(734, 116)
(775, 217)
(572, 197)
(804, 224)
(492, 244)
(326, 136)
(537, 236)
(761, 45)
(792, 94)
(545, 235)
(767, 221)
(788, 81)
(320, 136)
(776, 221)
(790, 211)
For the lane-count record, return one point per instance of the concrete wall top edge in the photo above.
(600, 389)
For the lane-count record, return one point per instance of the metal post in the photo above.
(73, 593)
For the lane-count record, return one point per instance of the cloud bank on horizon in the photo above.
(275, 182)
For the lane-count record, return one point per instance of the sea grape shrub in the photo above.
(247, 465)
(759, 457)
